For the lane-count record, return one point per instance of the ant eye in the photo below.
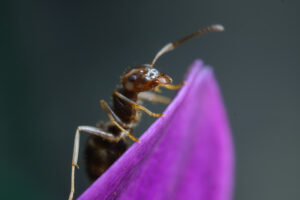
(132, 78)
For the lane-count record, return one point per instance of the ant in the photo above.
(107, 142)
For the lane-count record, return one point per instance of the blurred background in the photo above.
(59, 58)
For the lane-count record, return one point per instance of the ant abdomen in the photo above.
(101, 154)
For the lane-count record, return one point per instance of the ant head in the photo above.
(144, 78)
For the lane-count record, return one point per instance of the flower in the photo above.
(187, 154)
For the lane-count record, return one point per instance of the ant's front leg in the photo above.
(136, 106)
(93, 131)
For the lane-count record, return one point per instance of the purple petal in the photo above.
(187, 154)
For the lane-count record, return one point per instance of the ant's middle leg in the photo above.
(93, 131)
(116, 120)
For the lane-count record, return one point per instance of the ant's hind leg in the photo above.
(149, 96)
(93, 131)
(136, 106)
(116, 120)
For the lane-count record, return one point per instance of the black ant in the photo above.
(107, 140)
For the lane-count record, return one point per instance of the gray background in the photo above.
(58, 59)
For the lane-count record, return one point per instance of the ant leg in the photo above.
(116, 120)
(93, 131)
(149, 96)
(136, 106)
(112, 116)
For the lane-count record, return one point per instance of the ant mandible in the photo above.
(107, 140)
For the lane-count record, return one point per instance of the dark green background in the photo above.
(59, 58)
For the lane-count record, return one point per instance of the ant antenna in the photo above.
(170, 46)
